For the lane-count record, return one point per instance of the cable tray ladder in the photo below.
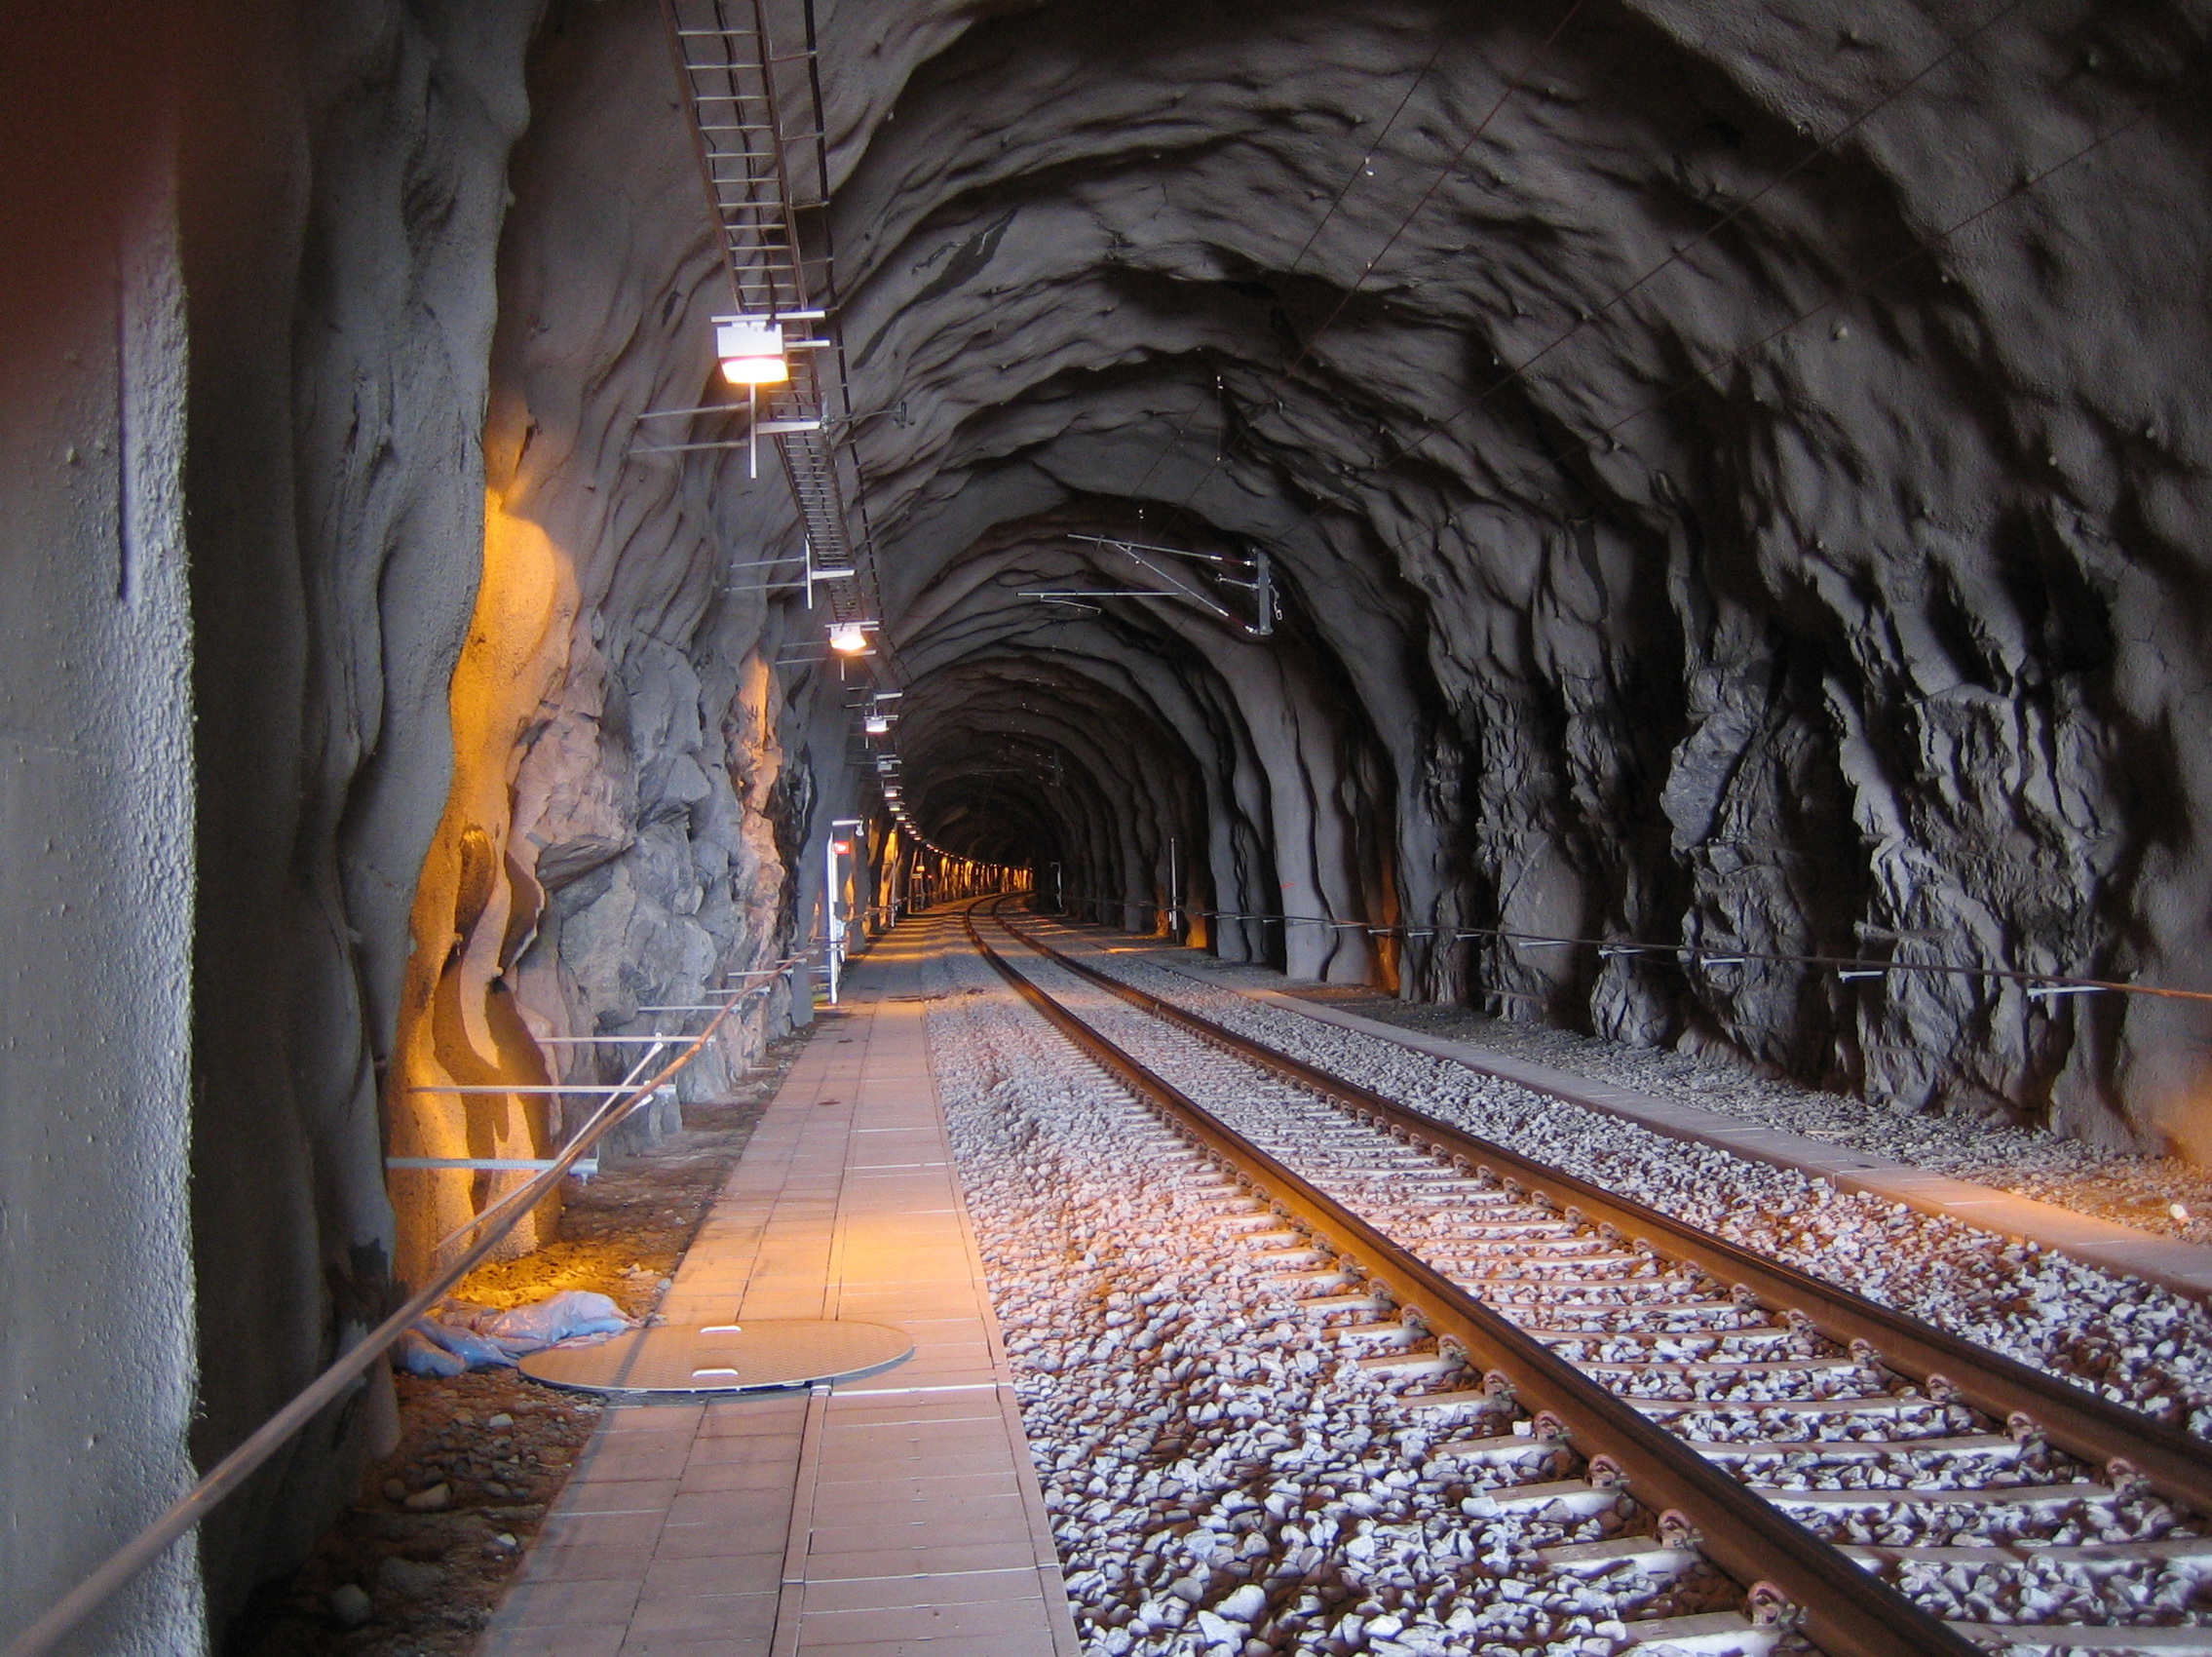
(749, 75)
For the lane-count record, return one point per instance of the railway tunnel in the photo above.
(1666, 539)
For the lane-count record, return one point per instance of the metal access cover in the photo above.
(760, 1352)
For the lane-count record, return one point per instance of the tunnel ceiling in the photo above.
(1716, 475)
(1734, 477)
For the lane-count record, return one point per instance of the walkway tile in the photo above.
(897, 1513)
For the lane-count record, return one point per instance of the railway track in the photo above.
(1874, 1485)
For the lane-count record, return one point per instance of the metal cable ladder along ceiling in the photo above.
(751, 75)
(753, 93)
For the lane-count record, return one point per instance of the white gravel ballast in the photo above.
(1224, 1480)
(2131, 1341)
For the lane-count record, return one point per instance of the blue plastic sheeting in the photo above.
(419, 1355)
(472, 1348)
(441, 1349)
(561, 1317)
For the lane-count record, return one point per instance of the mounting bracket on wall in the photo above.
(1259, 568)
(811, 574)
(1262, 589)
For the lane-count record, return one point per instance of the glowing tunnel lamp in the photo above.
(849, 638)
(876, 724)
(751, 350)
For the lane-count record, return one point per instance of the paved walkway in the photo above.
(887, 1517)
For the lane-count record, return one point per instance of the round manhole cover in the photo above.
(760, 1352)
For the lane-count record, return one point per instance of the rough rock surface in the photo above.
(341, 198)
(1732, 481)
(621, 761)
(1731, 478)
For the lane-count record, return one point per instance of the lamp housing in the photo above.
(751, 350)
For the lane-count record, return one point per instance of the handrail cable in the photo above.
(500, 1205)
(1684, 953)
(227, 1474)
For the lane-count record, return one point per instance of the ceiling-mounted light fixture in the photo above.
(876, 724)
(752, 349)
(850, 638)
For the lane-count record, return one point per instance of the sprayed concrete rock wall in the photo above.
(98, 1356)
(1732, 478)
(327, 782)
(1736, 480)
(611, 840)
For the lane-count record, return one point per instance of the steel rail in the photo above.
(1843, 1609)
(124, 1565)
(2177, 1464)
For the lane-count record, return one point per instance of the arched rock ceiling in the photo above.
(1735, 471)
(1684, 530)
(1733, 476)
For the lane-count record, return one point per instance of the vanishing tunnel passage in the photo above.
(1626, 578)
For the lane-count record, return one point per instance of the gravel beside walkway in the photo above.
(2135, 1190)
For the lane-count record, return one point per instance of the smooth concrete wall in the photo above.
(96, 1347)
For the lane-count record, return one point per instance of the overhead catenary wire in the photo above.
(1344, 300)
(1826, 146)
(1926, 247)
(1674, 257)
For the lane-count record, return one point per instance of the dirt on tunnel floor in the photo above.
(439, 1525)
